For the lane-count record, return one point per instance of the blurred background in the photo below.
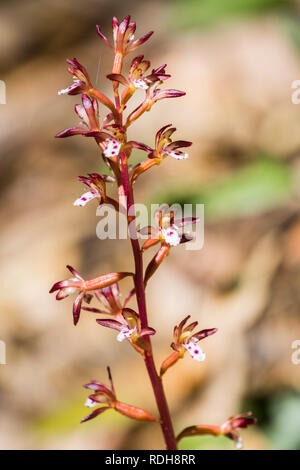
(237, 60)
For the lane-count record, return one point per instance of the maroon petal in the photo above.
(74, 62)
(186, 221)
(104, 38)
(139, 42)
(90, 111)
(124, 25)
(131, 28)
(115, 24)
(71, 131)
(74, 272)
(147, 332)
(191, 326)
(97, 134)
(97, 387)
(136, 61)
(159, 133)
(243, 422)
(63, 284)
(94, 310)
(204, 333)
(95, 413)
(183, 322)
(77, 307)
(117, 77)
(139, 146)
(114, 324)
(178, 144)
(161, 94)
(186, 238)
(121, 33)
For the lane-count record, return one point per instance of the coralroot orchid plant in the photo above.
(110, 135)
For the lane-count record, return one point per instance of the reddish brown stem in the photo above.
(165, 418)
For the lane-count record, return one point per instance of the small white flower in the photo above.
(140, 83)
(125, 333)
(90, 403)
(177, 154)
(112, 148)
(171, 236)
(195, 351)
(84, 199)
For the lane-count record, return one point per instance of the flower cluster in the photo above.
(110, 135)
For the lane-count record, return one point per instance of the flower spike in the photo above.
(167, 230)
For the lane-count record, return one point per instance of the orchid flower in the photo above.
(89, 119)
(186, 341)
(81, 80)
(129, 327)
(164, 147)
(166, 229)
(123, 35)
(110, 298)
(137, 77)
(77, 283)
(103, 395)
(97, 189)
(229, 428)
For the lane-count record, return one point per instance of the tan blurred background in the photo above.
(236, 59)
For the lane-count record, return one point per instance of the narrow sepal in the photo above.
(95, 413)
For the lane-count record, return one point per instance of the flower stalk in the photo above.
(165, 418)
(110, 135)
